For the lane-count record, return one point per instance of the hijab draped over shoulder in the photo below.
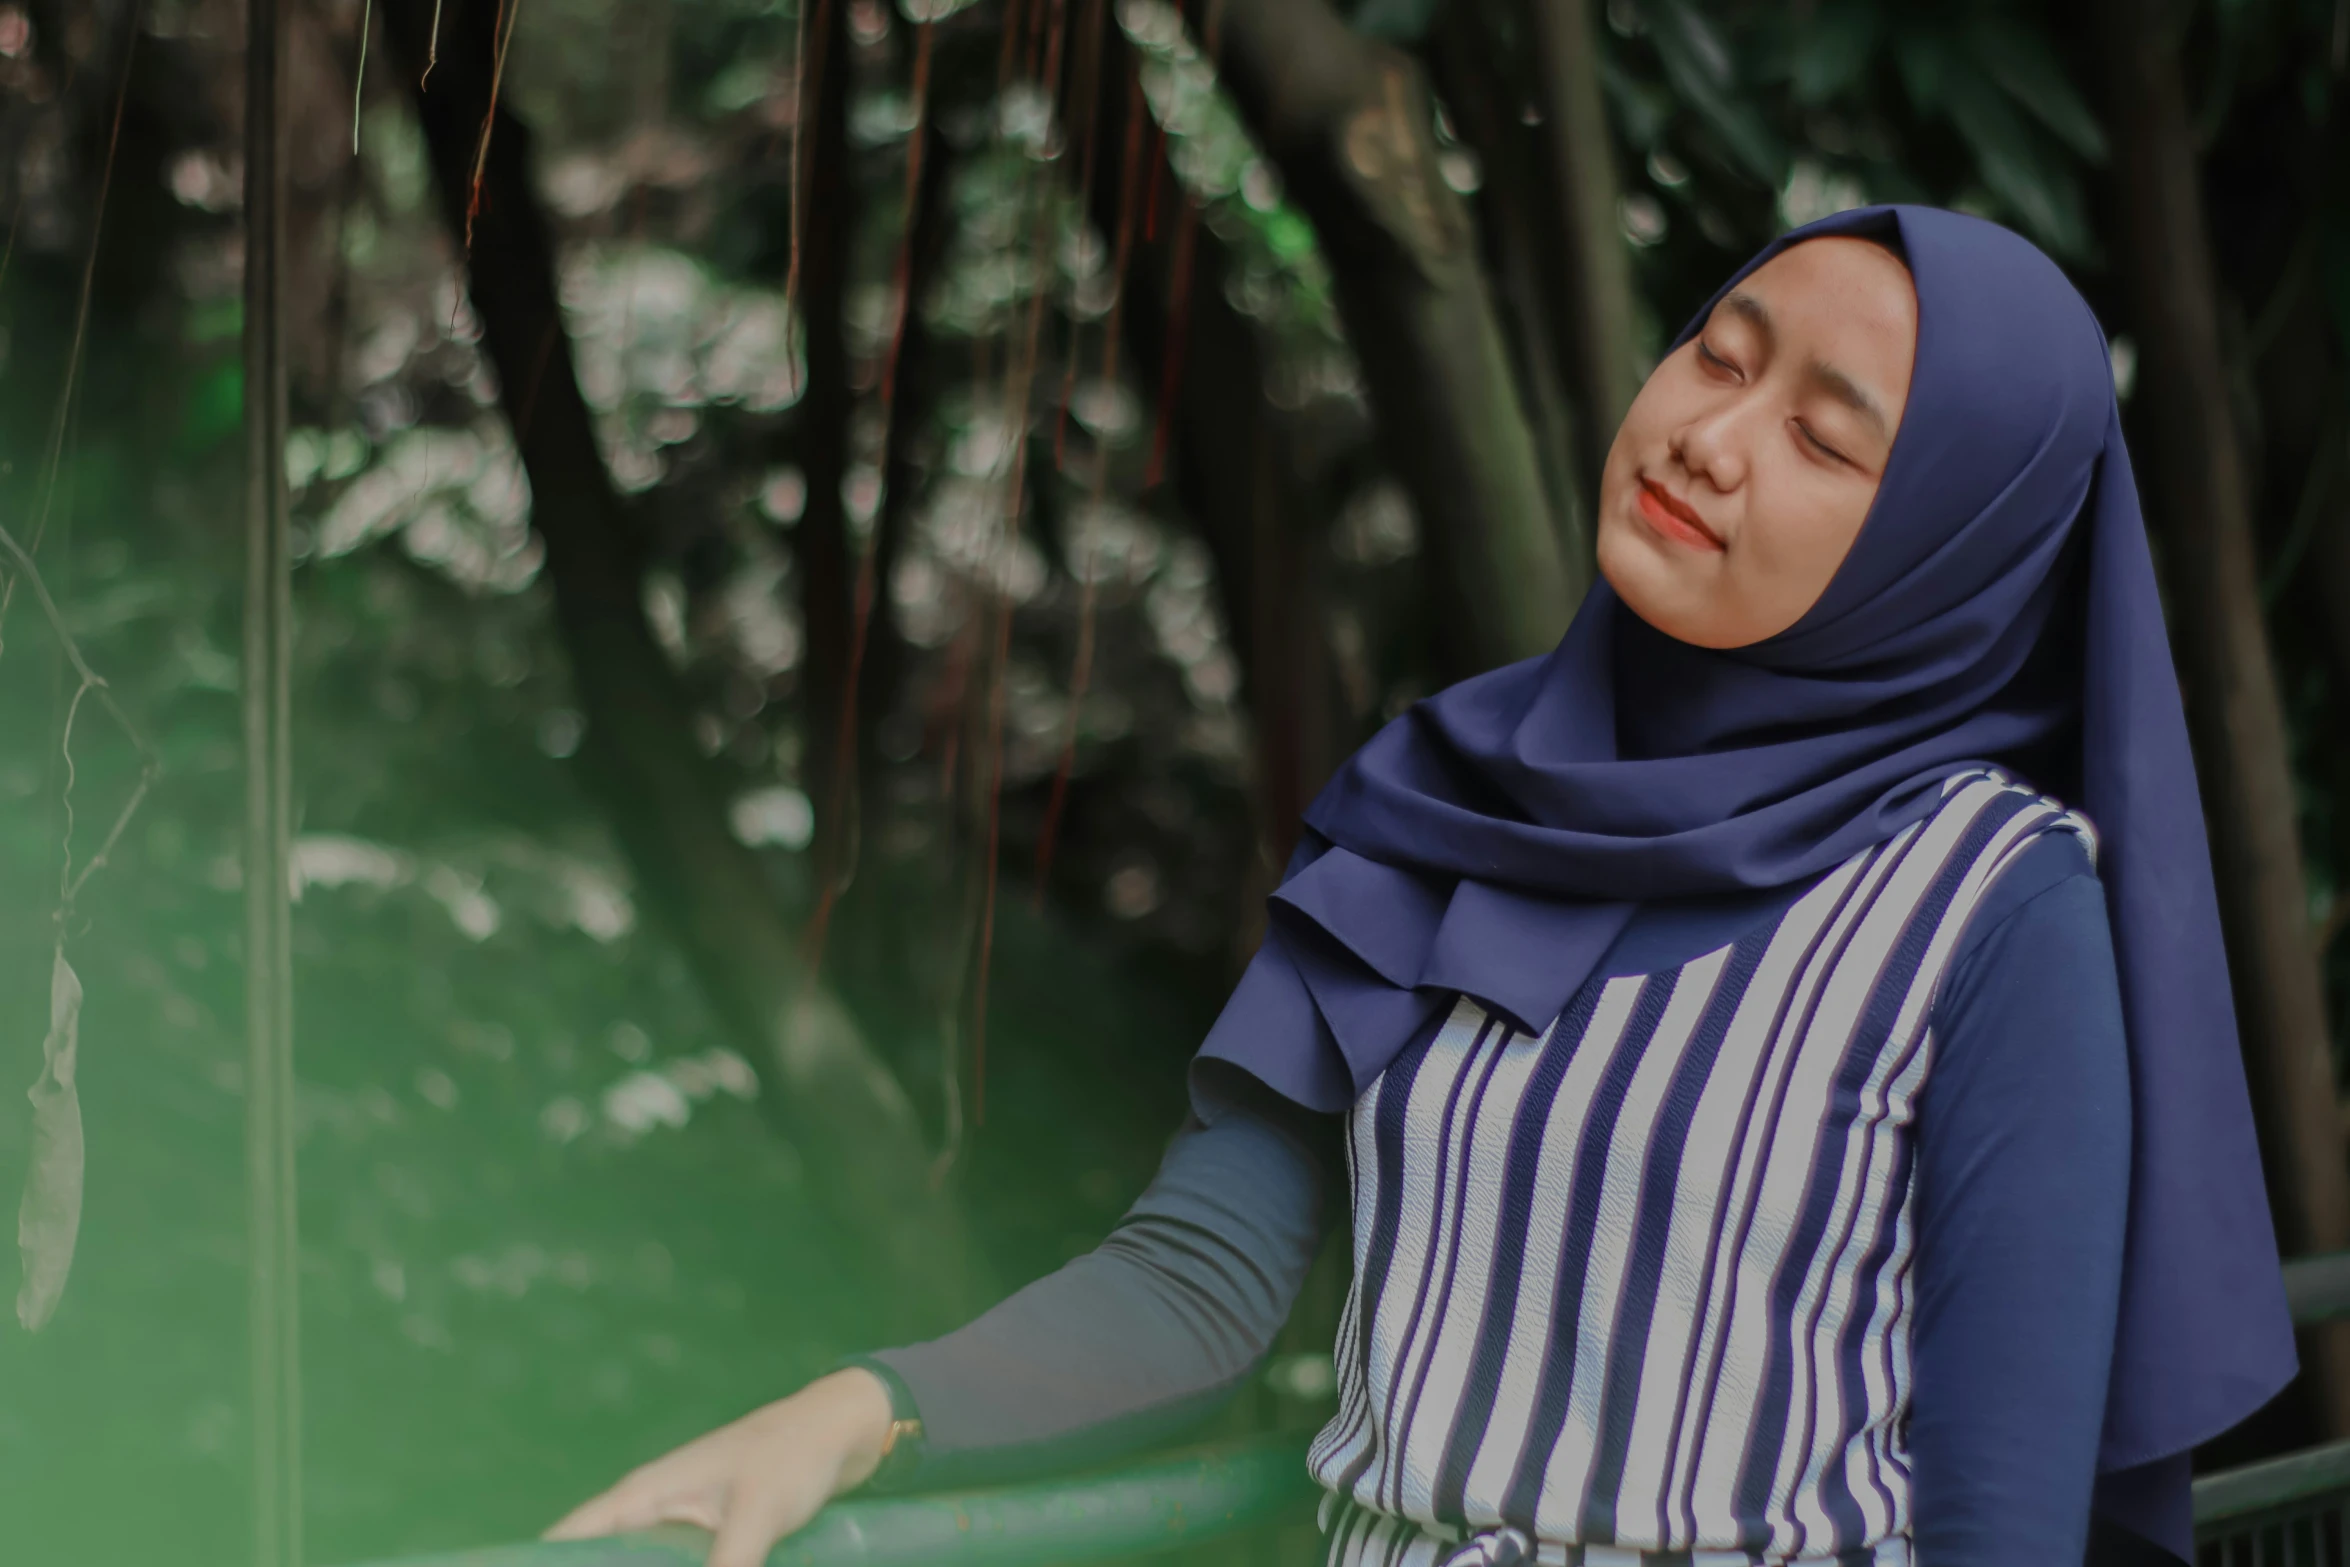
(1999, 607)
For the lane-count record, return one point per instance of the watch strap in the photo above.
(901, 1448)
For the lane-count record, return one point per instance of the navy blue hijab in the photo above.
(1999, 606)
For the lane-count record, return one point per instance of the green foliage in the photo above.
(214, 410)
(1701, 69)
(1961, 101)
(2016, 161)
(2025, 66)
(1400, 21)
(1828, 59)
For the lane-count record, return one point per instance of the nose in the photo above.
(1714, 445)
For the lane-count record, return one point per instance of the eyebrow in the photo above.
(1823, 376)
(1836, 384)
(1756, 313)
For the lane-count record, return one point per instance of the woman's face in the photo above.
(1748, 462)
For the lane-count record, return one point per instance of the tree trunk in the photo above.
(2330, 553)
(842, 1107)
(1523, 240)
(1347, 120)
(1603, 355)
(2196, 492)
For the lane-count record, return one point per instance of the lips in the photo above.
(1675, 518)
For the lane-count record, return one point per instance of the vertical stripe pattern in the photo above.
(1638, 1286)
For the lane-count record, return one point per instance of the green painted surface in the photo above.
(2318, 1288)
(2255, 1488)
(1191, 1498)
(1184, 1499)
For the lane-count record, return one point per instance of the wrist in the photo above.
(856, 1405)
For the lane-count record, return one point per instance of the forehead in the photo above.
(1843, 262)
(1851, 301)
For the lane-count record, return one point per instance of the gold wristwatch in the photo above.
(901, 1445)
(899, 1430)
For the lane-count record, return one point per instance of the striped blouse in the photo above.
(1638, 1287)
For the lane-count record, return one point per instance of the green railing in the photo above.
(2318, 1288)
(1176, 1500)
(2286, 1511)
(2225, 1499)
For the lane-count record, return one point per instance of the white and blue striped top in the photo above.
(1637, 1288)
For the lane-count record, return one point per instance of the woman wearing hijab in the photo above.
(1789, 1094)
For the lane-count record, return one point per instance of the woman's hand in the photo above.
(755, 1481)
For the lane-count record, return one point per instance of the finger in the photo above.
(638, 1502)
(598, 1515)
(756, 1518)
(699, 1508)
(685, 1485)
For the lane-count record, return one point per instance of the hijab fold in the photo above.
(1998, 608)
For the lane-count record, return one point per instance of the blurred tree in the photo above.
(1347, 120)
(1601, 345)
(2198, 495)
(822, 221)
(842, 1104)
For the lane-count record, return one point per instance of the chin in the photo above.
(1646, 581)
(1629, 562)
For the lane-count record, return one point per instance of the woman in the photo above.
(1776, 1130)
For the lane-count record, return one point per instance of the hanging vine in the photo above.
(1179, 294)
(49, 1215)
(840, 856)
(504, 29)
(1081, 667)
(1019, 389)
(49, 1218)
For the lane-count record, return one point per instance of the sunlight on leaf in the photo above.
(1813, 191)
(778, 815)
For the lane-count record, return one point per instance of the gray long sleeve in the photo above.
(1146, 1334)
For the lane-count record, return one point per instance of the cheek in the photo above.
(1647, 423)
(1616, 474)
(1801, 523)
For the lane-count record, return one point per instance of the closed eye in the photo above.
(1821, 446)
(1716, 361)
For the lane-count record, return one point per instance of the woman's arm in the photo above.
(2022, 1200)
(1140, 1337)
(1121, 1347)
